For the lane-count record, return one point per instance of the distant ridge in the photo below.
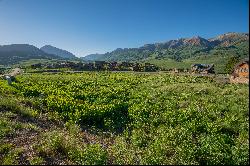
(57, 51)
(14, 53)
(213, 50)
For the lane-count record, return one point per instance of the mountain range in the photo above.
(178, 53)
(14, 53)
(178, 49)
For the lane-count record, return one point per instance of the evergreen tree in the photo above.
(231, 63)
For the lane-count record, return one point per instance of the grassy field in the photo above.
(123, 118)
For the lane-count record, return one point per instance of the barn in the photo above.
(240, 72)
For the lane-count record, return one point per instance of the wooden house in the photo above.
(240, 73)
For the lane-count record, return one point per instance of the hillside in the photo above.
(183, 49)
(14, 53)
(56, 51)
(92, 57)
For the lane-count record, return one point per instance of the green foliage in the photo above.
(7, 127)
(231, 63)
(10, 155)
(36, 161)
(5, 148)
(70, 145)
(90, 155)
(161, 118)
(197, 131)
(5, 88)
(10, 104)
(51, 143)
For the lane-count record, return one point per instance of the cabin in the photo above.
(203, 68)
(240, 72)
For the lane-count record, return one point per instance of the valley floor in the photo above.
(123, 118)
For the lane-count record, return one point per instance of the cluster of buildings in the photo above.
(239, 74)
(99, 66)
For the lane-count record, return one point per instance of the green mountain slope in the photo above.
(181, 53)
(56, 51)
(181, 48)
(14, 53)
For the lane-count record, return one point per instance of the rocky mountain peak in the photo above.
(196, 41)
(230, 38)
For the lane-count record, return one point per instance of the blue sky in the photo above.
(97, 26)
